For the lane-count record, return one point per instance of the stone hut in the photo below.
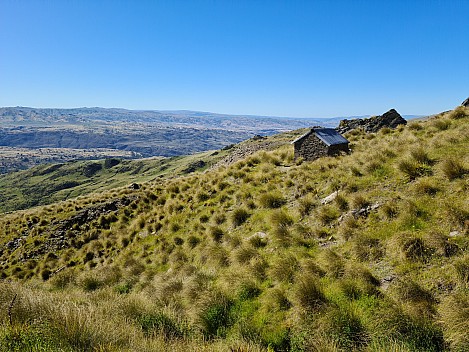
(319, 142)
(466, 103)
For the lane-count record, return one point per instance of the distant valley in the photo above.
(127, 133)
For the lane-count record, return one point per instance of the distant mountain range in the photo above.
(144, 132)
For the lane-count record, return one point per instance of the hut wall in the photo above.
(337, 149)
(310, 148)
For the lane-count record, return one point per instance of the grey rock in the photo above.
(465, 103)
(390, 119)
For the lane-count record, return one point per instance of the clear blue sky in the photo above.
(284, 58)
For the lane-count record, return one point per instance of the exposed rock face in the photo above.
(465, 103)
(389, 119)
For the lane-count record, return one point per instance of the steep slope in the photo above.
(366, 251)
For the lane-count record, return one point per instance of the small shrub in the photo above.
(111, 162)
(45, 274)
(123, 288)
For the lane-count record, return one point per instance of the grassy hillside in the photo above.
(364, 252)
(50, 183)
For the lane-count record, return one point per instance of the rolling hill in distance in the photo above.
(31, 136)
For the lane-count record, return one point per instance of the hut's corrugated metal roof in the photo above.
(330, 136)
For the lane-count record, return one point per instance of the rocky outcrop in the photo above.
(465, 103)
(390, 119)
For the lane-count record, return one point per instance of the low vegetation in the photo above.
(248, 256)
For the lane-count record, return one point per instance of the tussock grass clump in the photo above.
(413, 169)
(366, 248)
(327, 214)
(459, 113)
(441, 124)
(306, 205)
(272, 200)
(213, 316)
(341, 202)
(348, 227)
(239, 217)
(308, 294)
(419, 303)
(441, 244)
(283, 269)
(420, 155)
(457, 214)
(390, 210)
(244, 254)
(216, 233)
(281, 218)
(332, 263)
(407, 246)
(426, 186)
(346, 328)
(454, 312)
(461, 268)
(415, 126)
(360, 202)
(453, 169)
(276, 299)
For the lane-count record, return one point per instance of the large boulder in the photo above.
(390, 119)
(465, 103)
